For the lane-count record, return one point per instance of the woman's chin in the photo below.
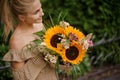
(38, 21)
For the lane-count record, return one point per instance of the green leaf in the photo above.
(40, 33)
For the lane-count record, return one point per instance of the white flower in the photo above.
(47, 57)
(85, 45)
(64, 24)
(53, 59)
(65, 43)
(42, 43)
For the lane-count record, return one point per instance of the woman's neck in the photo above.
(25, 27)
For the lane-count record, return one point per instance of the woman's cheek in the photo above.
(36, 17)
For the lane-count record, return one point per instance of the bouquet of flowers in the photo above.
(67, 45)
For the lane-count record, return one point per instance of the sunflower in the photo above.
(77, 34)
(74, 54)
(53, 37)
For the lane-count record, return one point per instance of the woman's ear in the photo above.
(21, 18)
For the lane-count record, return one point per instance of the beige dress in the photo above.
(34, 69)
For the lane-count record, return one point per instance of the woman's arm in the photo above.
(17, 65)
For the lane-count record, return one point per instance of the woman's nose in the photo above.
(41, 13)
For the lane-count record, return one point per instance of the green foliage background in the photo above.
(100, 17)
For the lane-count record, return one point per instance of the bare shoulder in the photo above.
(18, 42)
(15, 43)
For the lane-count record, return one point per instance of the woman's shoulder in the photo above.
(16, 42)
(19, 40)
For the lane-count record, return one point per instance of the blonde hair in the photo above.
(10, 11)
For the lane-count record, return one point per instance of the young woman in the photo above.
(23, 18)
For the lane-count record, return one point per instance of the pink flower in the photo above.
(90, 43)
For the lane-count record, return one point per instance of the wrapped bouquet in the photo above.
(67, 45)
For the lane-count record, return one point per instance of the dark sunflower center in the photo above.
(72, 53)
(55, 39)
